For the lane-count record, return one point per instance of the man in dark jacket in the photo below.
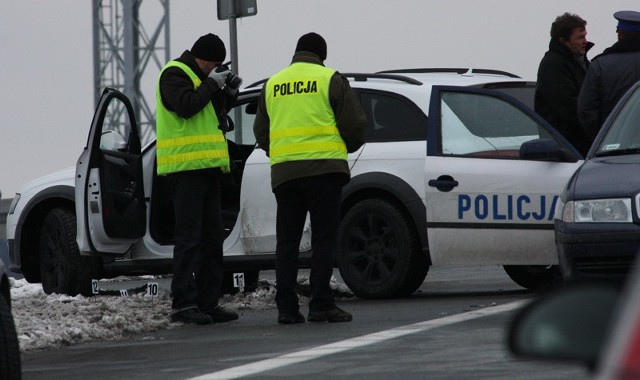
(308, 119)
(560, 76)
(612, 73)
(193, 93)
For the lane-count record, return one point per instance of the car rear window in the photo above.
(393, 118)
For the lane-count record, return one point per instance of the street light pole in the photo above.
(232, 10)
(233, 39)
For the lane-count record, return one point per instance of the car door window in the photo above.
(478, 125)
(623, 134)
(117, 131)
(242, 117)
(392, 118)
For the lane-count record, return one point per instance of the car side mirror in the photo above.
(541, 150)
(112, 140)
(570, 323)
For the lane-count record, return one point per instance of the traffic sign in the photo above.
(236, 9)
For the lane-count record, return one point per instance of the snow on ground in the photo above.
(45, 322)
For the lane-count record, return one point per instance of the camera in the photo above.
(233, 81)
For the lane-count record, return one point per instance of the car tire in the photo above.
(62, 269)
(10, 367)
(534, 277)
(379, 253)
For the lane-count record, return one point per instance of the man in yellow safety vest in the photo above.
(192, 94)
(308, 120)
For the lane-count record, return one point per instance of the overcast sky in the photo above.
(47, 94)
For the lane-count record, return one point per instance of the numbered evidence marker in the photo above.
(152, 289)
(94, 287)
(238, 281)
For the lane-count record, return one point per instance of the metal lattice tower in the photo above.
(123, 50)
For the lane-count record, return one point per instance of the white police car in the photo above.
(474, 182)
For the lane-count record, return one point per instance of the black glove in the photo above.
(233, 84)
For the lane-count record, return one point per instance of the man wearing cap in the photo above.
(611, 74)
(308, 119)
(560, 77)
(191, 151)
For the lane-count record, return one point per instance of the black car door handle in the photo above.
(443, 183)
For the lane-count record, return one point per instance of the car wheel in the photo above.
(533, 277)
(379, 253)
(62, 269)
(9, 350)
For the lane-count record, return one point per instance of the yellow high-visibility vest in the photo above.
(188, 144)
(302, 124)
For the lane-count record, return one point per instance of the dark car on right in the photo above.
(597, 225)
(10, 364)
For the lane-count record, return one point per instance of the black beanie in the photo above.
(313, 43)
(210, 48)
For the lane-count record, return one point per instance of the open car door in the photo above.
(494, 172)
(110, 204)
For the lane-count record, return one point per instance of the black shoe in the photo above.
(191, 316)
(220, 314)
(290, 318)
(332, 315)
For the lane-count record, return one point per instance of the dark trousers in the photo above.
(320, 196)
(197, 254)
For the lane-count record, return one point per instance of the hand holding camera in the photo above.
(231, 82)
(220, 76)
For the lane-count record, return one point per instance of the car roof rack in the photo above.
(363, 77)
(255, 84)
(393, 74)
(467, 71)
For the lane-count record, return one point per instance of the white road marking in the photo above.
(348, 344)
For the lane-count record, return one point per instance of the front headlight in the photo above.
(598, 211)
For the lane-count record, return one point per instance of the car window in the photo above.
(624, 134)
(479, 125)
(392, 118)
(242, 117)
(525, 92)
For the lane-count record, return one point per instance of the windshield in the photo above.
(623, 136)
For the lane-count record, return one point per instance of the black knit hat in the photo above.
(313, 43)
(210, 48)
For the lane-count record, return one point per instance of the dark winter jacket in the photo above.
(610, 75)
(350, 120)
(178, 95)
(560, 77)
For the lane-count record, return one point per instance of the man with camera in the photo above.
(192, 97)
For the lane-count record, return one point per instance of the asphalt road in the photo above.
(454, 327)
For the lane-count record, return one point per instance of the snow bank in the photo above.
(46, 322)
